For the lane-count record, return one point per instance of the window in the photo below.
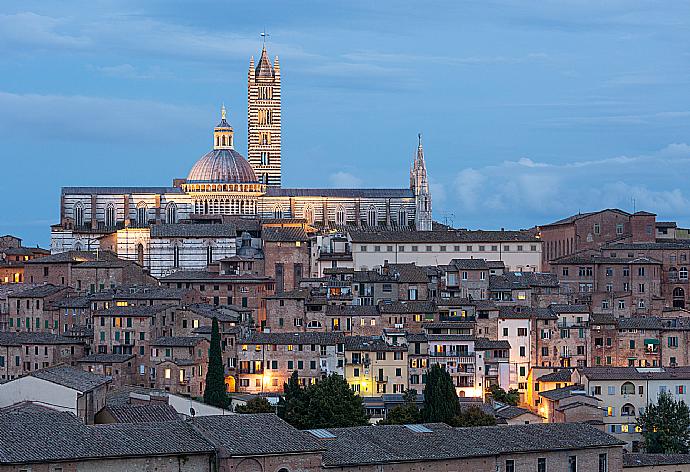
(402, 217)
(672, 341)
(110, 215)
(597, 228)
(505, 331)
(510, 465)
(371, 216)
(171, 213)
(619, 229)
(79, 214)
(340, 215)
(572, 464)
(683, 273)
(142, 214)
(603, 463)
(522, 331)
(541, 464)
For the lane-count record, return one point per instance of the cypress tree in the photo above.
(440, 399)
(215, 373)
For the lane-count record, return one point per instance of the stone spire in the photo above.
(419, 184)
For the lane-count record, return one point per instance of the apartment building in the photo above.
(375, 365)
(22, 352)
(178, 364)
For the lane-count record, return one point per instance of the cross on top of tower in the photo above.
(264, 35)
(222, 112)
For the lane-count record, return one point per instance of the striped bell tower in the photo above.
(263, 120)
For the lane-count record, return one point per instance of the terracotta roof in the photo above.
(289, 234)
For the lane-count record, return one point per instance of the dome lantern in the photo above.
(223, 134)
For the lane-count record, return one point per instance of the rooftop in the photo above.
(21, 338)
(289, 234)
(453, 236)
(295, 338)
(71, 378)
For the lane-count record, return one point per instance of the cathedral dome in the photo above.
(225, 166)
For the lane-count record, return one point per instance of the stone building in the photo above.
(375, 365)
(31, 310)
(22, 353)
(267, 360)
(591, 231)
(286, 256)
(178, 364)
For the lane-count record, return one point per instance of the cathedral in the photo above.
(225, 185)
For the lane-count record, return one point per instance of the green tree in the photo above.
(215, 393)
(329, 403)
(666, 426)
(255, 405)
(407, 413)
(473, 416)
(440, 399)
(333, 404)
(293, 406)
(511, 397)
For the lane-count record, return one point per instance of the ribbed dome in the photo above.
(222, 166)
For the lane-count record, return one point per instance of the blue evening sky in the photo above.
(530, 111)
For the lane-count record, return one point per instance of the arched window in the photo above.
(140, 254)
(209, 254)
(628, 388)
(314, 324)
(340, 215)
(371, 216)
(78, 247)
(683, 273)
(628, 410)
(277, 212)
(223, 139)
(110, 215)
(673, 273)
(402, 217)
(678, 292)
(142, 214)
(309, 214)
(78, 214)
(171, 213)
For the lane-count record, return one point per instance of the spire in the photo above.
(222, 112)
(264, 68)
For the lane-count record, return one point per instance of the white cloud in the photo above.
(345, 180)
(537, 191)
(31, 29)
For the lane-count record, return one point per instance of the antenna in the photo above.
(633, 203)
(448, 218)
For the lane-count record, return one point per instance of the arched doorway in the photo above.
(230, 384)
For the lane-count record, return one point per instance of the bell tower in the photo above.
(264, 119)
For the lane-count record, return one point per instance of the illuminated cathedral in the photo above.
(223, 185)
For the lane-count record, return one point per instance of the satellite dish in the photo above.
(192, 412)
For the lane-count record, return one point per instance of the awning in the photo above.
(651, 341)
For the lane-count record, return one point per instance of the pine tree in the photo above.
(666, 426)
(215, 373)
(333, 404)
(440, 399)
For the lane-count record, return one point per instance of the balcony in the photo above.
(250, 371)
(460, 357)
(381, 379)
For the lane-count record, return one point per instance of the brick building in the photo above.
(178, 364)
(286, 256)
(22, 353)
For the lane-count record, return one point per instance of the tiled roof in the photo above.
(296, 294)
(415, 306)
(685, 244)
(61, 437)
(561, 375)
(71, 378)
(118, 190)
(289, 234)
(560, 393)
(255, 435)
(224, 313)
(596, 259)
(523, 312)
(142, 292)
(522, 280)
(632, 373)
(340, 192)
(106, 358)
(484, 344)
(416, 337)
(481, 305)
(295, 338)
(135, 311)
(469, 264)
(666, 224)
(21, 338)
(448, 325)
(352, 310)
(509, 412)
(409, 273)
(632, 460)
(573, 218)
(398, 443)
(450, 337)
(39, 291)
(557, 308)
(206, 276)
(153, 412)
(196, 230)
(177, 341)
(73, 302)
(459, 236)
(602, 318)
(638, 322)
(370, 344)
(73, 257)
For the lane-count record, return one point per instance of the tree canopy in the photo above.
(215, 392)
(511, 397)
(440, 399)
(407, 413)
(473, 416)
(255, 405)
(666, 426)
(329, 403)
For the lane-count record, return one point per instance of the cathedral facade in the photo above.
(223, 183)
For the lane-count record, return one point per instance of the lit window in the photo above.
(167, 373)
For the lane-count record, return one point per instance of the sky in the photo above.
(530, 111)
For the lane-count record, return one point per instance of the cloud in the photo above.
(39, 31)
(536, 192)
(345, 180)
(128, 71)
(83, 118)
